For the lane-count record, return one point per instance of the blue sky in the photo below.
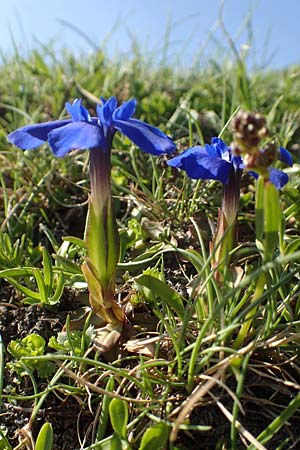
(111, 24)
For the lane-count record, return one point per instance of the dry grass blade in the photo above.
(248, 436)
(94, 388)
(187, 407)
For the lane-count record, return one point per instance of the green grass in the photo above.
(186, 371)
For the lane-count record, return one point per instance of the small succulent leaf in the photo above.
(118, 412)
(45, 438)
(116, 442)
(155, 438)
(45, 368)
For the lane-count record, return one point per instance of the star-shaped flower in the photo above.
(85, 132)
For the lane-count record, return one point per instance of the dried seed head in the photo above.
(249, 129)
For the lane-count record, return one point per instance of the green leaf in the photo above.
(4, 444)
(67, 342)
(31, 345)
(118, 412)
(48, 271)
(16, 272)
(155, 438)
(67, 265)
(97, 241)
(273, 216)
(28, 292)
(259, 208)
(193, 257)
(45, 368)
(103, 418)
(75, 240)
(116, 442)
(45, 438)
(41, 285)
(93, 280)
(160, 289)
(293, 246)
(59, 289)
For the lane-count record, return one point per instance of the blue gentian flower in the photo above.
(85, 132)
(212, 162)
(215, 161)
(80, 132)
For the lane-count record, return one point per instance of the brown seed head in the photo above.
(249, 128)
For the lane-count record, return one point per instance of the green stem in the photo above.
(102, 237)
(278, 422)
(239, 390)
(225, 236)
(52, 383)
(249, 317)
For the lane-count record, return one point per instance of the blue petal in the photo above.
(148, 138)
(221, 148)
(285, 156)
(76, 135)
(77, 111)
(125, 111)
(253, 174)
(278, 178)
(211, 150)
(198, 164)
(237, 162)
(105, 111)
(35, 135)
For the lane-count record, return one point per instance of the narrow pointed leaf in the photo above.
(273, 216)
(259, 208)
(59, 289)
(103, 418)
(24, 289)
(163, 291)
(41, 285)
(48, 271)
